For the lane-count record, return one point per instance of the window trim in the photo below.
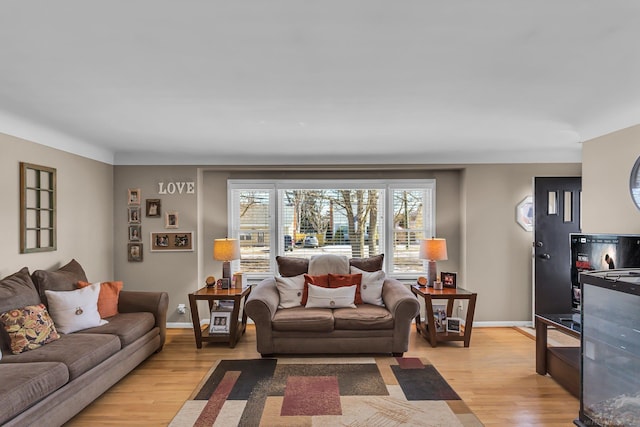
(276, 186)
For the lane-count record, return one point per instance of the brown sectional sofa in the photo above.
(50, 384)
(366, 328)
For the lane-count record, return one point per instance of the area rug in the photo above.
(349, 391)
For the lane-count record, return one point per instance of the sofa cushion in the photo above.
(16, 291)
(63, 279)
(290, 290)
(28, 328)
(373, 263)
(108, 298)
(24, 385)
(127, 326)
(340, 280)
(303, 319)
(75, 310)
(328, 263)
(365, 316)
(371, 287)
(292, 266)
(79, 352)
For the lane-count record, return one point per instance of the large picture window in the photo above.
(353, 218)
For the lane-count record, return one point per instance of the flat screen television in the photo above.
(591, 252)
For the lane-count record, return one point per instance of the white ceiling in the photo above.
(273, 82)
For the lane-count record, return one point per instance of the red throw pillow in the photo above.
(108, 297)
(322, 281)
(340, 280)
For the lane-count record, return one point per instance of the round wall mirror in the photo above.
(634, 183)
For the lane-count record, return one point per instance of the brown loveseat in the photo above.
(379, 326)
(47, 386)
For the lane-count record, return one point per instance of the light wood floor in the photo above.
(495, 376)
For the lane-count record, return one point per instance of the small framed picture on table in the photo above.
(448, 280)
(220, 322)
(455, 324)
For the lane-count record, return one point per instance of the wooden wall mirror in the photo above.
(37, 208)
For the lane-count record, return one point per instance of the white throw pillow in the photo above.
(320, 297)
(371, 286)
(73, 311)
(290, 290)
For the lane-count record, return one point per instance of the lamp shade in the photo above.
(226, 249)
(433, 249)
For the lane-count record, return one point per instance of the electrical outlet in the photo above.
(182, 309)
(460, 306)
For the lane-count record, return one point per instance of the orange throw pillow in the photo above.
(340, 280)
(108, 297)
(322, 281)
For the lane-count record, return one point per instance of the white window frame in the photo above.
(275, 187)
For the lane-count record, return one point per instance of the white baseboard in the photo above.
(497, 324)
(506, 323)
(180, 325)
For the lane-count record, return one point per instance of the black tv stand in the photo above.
(561, 363)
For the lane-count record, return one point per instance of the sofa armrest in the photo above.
(404, 307)
(263, 300)
(261, 306)
(156, 303)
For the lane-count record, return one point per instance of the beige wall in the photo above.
(497, 253)
(607, 161)
(475, 212)
(84, 203)
(173, 272)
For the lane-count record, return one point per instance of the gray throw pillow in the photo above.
(16, 291)
(371, 264)
(292, 266)
(63, 279)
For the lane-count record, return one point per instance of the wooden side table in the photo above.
(428, 330)
(236, 328)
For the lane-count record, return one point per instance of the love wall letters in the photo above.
(180, 187)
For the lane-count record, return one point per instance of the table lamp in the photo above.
(433, 250)
(226, 250)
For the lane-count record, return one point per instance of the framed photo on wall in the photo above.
(133, 196)
(135, 233)
(166, 242)
(133, 212)
(448, 280)
(134, 252)
(153, 208)
(171, 220)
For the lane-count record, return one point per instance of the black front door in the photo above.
(557, 213)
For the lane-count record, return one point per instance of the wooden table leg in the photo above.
(244, 315)
(195, 318)
(450, 302)
(468, 324)
(541, 347)
(430, 321)
(233, 328)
